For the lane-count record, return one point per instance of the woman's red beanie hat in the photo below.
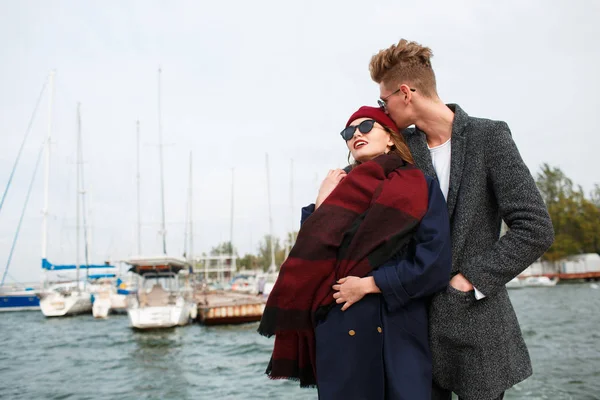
(376, 114)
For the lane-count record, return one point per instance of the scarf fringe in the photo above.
(293, 379)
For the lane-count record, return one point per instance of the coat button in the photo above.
(379, 329)
(351, 332)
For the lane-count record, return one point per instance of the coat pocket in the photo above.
(462, 339)
(447, 317)
(459, 294)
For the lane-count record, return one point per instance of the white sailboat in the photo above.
(539, 281)
(110, 295)
(71, 298)
(164, 297)
(65, 299)
(21, 297)
(102, 302)
(531, 281)
(514, 283)
(268, 278)
(272, 266)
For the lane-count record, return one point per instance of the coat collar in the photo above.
(417, 143)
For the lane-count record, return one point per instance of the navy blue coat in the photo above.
(379, 347)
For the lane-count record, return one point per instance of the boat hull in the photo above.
(19, 301)
(101, 307)
(118, 303)
(106, 303)
(60, 305)
(155, 317)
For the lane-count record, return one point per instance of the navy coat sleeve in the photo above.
(426, 268)
(306, 212)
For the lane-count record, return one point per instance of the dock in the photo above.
(226, 307)
(573, 268)
(588, 275)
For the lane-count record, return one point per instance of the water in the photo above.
(83, 358)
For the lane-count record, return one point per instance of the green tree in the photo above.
(553, 184)
(264, 252)
(223, 248)
(576, 220)
(562, 247)
(249, 261)
(590, 226)
(595, 196)
(290, 238)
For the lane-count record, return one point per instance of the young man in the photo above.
(477, 347)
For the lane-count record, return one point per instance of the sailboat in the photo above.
(73, 297)
(270, 277)
(164, 298)
(20, 297)
(111, 293)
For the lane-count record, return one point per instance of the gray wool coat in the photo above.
(477, 346)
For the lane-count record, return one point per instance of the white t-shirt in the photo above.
(440, 157)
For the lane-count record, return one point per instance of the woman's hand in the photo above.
(352, 289)
(330, 182)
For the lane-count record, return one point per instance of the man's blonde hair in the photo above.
(405, 63)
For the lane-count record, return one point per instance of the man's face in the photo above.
(396, 104)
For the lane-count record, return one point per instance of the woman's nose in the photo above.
(357, 134)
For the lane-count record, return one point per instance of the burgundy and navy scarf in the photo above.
(370, 216)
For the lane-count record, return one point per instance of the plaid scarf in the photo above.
(370, 216)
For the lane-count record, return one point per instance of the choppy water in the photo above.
(83, 358)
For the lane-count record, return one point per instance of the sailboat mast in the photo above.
(90, 223)
(20, 152)
(77, 201)
(82, 195)
(162, 179)
(47, 168)
(292, 234)
(139, 216)
(272, 267)
(190, 213)
(233, 261)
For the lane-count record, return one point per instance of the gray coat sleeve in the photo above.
(521, 206)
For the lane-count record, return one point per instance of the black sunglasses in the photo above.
(364, 127)
(383, 101)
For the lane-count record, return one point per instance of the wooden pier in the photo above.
(589, 275)
(225, 307)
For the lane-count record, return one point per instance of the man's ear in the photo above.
(407, 93)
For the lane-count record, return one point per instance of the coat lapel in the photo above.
(417, 142)
(457, 159)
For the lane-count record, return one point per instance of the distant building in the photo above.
(215, 268)
(577, 266)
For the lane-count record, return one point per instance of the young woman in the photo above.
(349, 309)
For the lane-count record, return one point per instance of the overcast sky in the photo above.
(241, 79)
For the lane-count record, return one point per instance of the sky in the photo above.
(241, 80)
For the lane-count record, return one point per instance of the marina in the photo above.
(157, 291)
(228, 361)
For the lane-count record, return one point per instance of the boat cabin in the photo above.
(163, 279)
